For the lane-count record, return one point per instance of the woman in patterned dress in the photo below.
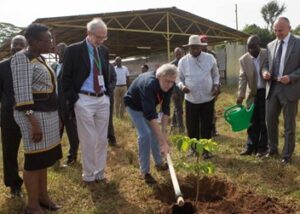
(36, 114)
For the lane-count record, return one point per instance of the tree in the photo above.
(7, 30)
(264, 34)
(297, 30)
(271, 11)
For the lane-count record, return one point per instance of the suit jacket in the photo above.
(291, 67)
(76, 69)
(248, 76)
(6, 86)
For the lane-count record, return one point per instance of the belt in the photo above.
(120, 85)
(91, 93)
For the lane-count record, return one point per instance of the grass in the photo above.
(126, 193)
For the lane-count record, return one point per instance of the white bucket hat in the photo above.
(195, 40)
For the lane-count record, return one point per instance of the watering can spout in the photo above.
(239, 117)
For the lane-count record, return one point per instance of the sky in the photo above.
(22, 13)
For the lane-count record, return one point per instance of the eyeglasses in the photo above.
(101, 38)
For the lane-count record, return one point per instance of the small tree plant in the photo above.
(190, 152)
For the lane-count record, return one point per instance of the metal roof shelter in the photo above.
(140, 32)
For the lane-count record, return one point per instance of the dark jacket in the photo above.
(144, 94)
(6, 86)
(76, 68)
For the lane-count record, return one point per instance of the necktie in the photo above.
(96, 72)
(277, 60)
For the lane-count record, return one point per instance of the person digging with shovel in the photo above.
(146, 92)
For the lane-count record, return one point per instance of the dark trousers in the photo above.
(11, 137)
(71, 128)
(199, 119)
(177, 98)
(111, 130)
(257, 131)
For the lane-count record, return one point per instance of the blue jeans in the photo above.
(146, 140)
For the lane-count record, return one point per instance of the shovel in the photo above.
(178, 194)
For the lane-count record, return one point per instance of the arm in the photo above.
(216, 78)
(181, 78)
(161, 135)
(242, 84)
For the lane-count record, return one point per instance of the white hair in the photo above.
(18, 37)
(167, 70)
(95, 24)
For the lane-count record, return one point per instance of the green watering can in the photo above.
(239, 117)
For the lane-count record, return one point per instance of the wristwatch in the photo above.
(29, 112)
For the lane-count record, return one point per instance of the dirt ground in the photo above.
(217, 196)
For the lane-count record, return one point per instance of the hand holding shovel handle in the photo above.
(178, 194)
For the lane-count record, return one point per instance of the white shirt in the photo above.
(122, 72)
(199, 74)
(284, 49)
(260, 81)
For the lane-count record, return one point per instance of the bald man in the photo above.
(10, 132)
(252, 87)
(282, 72)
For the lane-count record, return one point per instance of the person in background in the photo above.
(144, 68)
(146, 92)
(282, 73)
(112, 84)
(121, 86)
(10, 131)
(85, 84)
(177, 97)
(204, 40)
(253, 87)
(66, 115)
(199, 79)
(36, 114)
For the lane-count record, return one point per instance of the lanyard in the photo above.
(160, 99)
(96, 59)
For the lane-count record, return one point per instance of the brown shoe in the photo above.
(147, 177)
(162, 167)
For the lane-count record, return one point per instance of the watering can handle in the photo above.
(251, 108)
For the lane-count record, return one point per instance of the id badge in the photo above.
(101, 80)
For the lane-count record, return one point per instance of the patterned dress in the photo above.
(34, 89)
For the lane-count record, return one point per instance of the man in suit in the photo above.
(282, 73)
(10, 131)
(67, 117)
(85, 84)
(252, 86)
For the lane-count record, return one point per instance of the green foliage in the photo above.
(7, 30)
(185, 144)
(264, 34)
(296, 30)
(271, 11)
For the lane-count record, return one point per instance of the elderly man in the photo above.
(121, 86)
(10, 131)
(146, 92)
(85, 83)
(282, 72)
(199, 80)
(253, 87)
(66, 116)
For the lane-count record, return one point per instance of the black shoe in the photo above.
(261, 154)
(206, 155)
(16, 192)
(246, 152)
(69, 162)
(162, 167)
(51, 207)
(147, 177)
(286, 161)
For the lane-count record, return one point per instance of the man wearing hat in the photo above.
(199, 79)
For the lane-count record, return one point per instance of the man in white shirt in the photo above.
(252, 87)
(121, 86)
(199, 80)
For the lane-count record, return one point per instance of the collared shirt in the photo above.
(260, 82)
(122, 73)
(199, 74)
(88, 84)
(284, 49)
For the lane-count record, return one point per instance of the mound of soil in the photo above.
(217, 196)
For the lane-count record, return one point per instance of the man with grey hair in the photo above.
(85, 84)
(10, 131)
(146, 92)
(282, 73)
